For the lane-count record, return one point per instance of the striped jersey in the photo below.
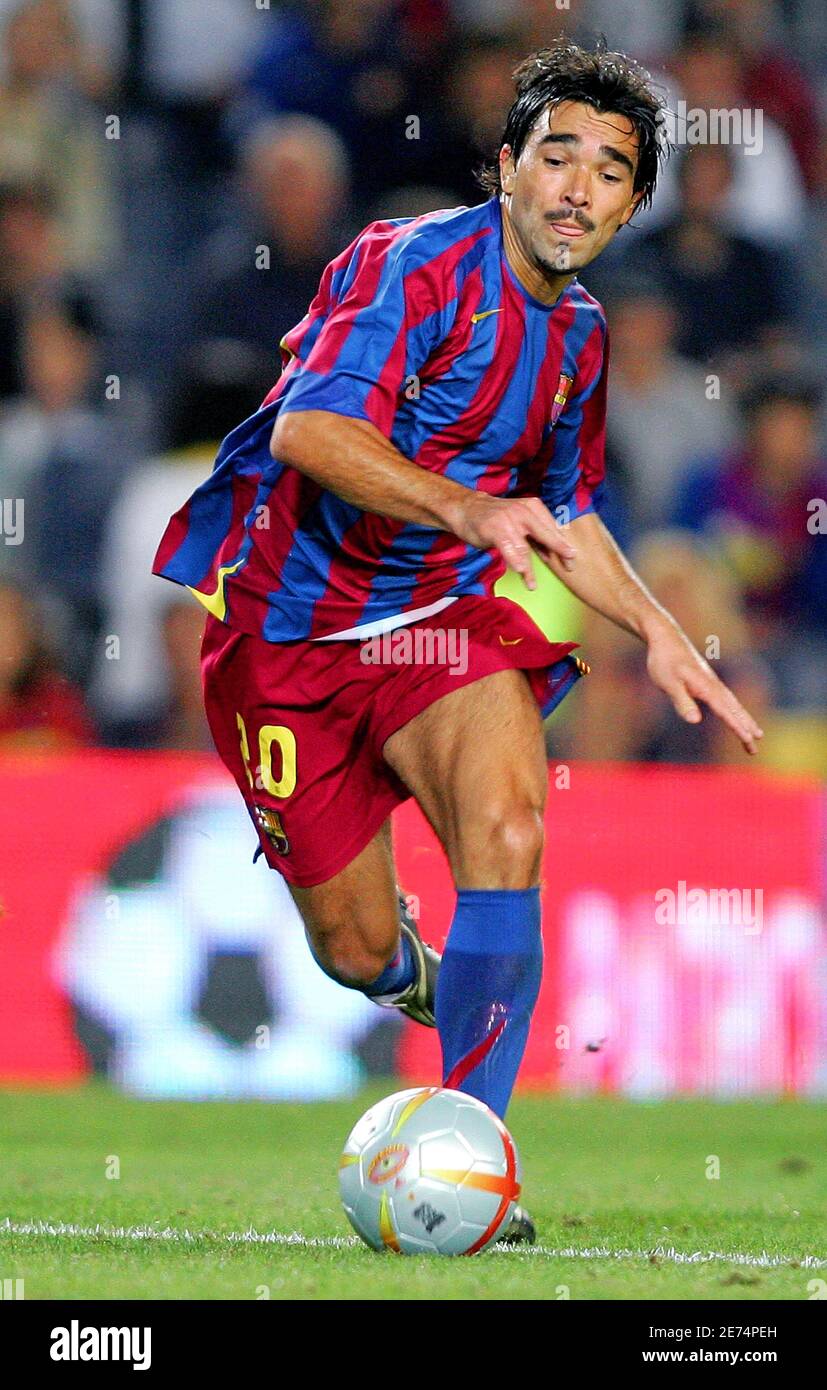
(421, 328)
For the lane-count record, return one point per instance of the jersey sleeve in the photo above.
(377, 333)
(573, 484)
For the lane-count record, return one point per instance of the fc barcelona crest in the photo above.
(270, 823)
(561, 395)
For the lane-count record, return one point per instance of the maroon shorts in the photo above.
(301, 725)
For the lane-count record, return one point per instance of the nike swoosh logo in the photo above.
(506, 642)
(215, 602)
(475, 318)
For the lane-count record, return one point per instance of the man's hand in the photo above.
(605, 580)
(682, 673)
(354, 460)
(514, 526)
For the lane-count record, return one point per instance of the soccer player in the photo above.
(439, 418)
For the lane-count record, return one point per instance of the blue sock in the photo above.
(487, 987)
(396, 976)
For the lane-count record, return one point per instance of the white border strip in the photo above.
(252, 1237)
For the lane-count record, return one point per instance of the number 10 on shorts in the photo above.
(268, 735)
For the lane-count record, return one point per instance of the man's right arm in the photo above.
(353, 459)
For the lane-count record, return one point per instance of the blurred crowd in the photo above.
(174, 176)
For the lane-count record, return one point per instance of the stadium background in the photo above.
(174, 175)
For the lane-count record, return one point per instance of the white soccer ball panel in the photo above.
(426, 1214)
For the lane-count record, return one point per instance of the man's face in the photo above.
(572, 186)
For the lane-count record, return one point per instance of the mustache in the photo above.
(578, 218)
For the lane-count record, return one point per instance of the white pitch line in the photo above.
(251, 1237)
(174, 1234)
(681, 1257)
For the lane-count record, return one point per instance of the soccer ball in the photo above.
(430, 1171)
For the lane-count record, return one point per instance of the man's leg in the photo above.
(352, 923)
(475, 761)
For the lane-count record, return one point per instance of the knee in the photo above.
(348, 959)
(504, 843)
(515, 833)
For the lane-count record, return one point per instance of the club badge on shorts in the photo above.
(270, 822)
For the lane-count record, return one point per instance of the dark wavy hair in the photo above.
(606, 81)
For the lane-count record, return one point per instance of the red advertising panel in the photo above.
(685, 947)
(61, 819)
(685, 950)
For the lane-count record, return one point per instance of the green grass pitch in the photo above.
(600, 1175)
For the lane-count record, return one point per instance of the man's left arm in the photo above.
(603, 578)
(600, 574)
